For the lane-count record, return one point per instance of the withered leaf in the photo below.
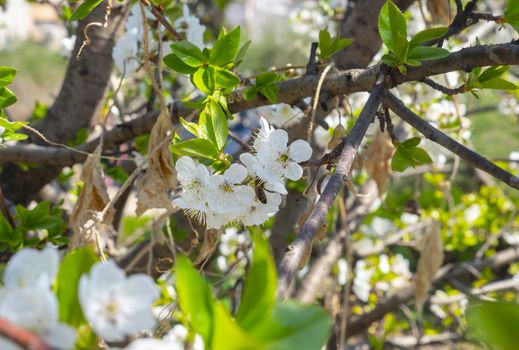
(378, 160)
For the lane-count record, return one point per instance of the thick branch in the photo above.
(302, 243)
(292, 91)
(360, 323)
(452, 145)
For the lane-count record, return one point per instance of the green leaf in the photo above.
(85, 9)
(225, 49)
(228, 335)
(412, 142)
(196, 148)
(495, 323)
(242, 52)
(259, 293)
(392, 27)
(214, 121)
(270, 92)
(498, 84)
(7, 75)
(250, 93)
(426, 35)
(7, 97)
(511, 14)
(389, 59)
(74, 265)
(193, 128)
(173, 62)
(420, 156)
(205, 80)
(492, 72)
(195, 298)
(266, 78)
(399, 162)
(41, 217)
(424, 53)
(226, 79)
(188, 53)
(294, 326)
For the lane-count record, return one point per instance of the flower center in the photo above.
(226, 187)
(284, 157)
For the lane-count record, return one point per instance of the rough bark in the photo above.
(361, 24)
(78, 102)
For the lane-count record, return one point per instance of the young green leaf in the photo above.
(259, 293)
(188, 53)
(250, 93)
(392, 27)
(412, 142)
(270, 92)
(7, 75)
(241, 53)
(228, 335)
(511, 15)
(214, 121)
(85, 9)
(7, 97)
(266, 78)
(424, 53)
(226, 79)
(74, 265)
(225, 48)
(205, 80)
(498, 84)
(195, 298)
(175, 63)
(193, 128)
(201, 148)
(426, 35)
(495, 323)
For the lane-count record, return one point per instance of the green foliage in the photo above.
(8, 129)
(210, 69)
(489, 78)
(43, 219)
(392, 27)
(265, 85)
(84, 9)
(328, 46)
(512, 14)
(495, 323)
(74, 265)
(408, 154)
(261, 323)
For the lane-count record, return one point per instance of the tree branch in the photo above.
(296, 251)
(452, 145)
(291, 91)
(20, 336)
(360, 323)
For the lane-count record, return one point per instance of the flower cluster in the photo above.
(116, 306)
(27, 300)
(246, 194)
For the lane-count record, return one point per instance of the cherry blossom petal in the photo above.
(236, 173)
(300, 151)
(293, 171)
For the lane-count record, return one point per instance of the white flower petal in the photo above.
(236, 173)
(29, 267)
(300, 151)
(294, 171)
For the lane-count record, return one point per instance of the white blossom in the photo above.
(472, 213)
(342, 275)
(35, 309)
(194, 180)
(362, 282)
(30, 268)
(194, 31)
(117, 306)
(259, 212)
(227, 195)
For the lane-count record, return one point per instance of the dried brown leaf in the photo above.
(211, 239)
(85, 217)
(378, 160)
(160, 177)
(431, 258)
(440, 11)
(338, 134)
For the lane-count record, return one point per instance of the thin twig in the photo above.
(449, 143)
(22, 337)
(443, 89)
(295, 251)
(162, 20)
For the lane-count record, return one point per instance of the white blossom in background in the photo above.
(409, 219)
(67, 45)
(16, 23)
(378, 228)
(31, 268)
(27, 300)
(281, 115)
(511, 238)
(322, 136)
(342, 274)
(362, 282)
(472, 213)
(383, 263)
(190, 25)
(35, 309)
(194, 180)
(117, 306)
